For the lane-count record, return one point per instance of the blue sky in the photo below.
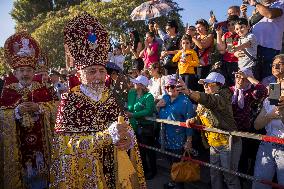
(193, 10)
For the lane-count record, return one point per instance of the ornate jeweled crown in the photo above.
(21, 50)
(87, 41)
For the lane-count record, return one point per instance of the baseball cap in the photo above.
(141, 79)
(213, 77)
(171, 80)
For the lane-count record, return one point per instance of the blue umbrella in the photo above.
(150, 9)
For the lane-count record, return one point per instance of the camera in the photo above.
(220, 25)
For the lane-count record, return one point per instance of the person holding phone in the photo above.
(225, 44)
(171, 41)
(270, 156)
(204, 42)
(214, 110)
(177, 107)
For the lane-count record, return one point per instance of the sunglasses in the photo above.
(185, 43)
(206, 85)
(170, 87)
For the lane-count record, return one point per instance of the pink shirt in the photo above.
(148, 60)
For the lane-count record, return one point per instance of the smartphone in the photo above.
(274, 93)
(245, 2)
(211, 13)
(220, 25)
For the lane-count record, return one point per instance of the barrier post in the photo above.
(162, 135)
(230, 149)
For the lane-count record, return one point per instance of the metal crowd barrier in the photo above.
(231, 134)
(215, 130)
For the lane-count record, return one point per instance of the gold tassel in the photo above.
(125, 166)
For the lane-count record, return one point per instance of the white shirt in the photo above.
(245, 61)
(269, 32)
(118, 60)
(276, 126)
(156, 87)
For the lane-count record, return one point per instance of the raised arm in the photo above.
(265, 11)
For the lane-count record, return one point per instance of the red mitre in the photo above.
(21, 50)
(87, 41)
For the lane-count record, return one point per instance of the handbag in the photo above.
(185, 171)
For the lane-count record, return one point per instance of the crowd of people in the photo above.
(80, 143)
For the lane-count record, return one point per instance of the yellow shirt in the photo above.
(209, 120)
(190, 58)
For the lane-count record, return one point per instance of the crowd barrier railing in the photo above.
(231, 134)
(260, 137)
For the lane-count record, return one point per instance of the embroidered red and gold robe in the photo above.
(25, 146)
(83, 153)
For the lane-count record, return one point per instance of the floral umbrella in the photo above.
(150, 9)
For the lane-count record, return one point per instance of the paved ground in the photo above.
(163, 177)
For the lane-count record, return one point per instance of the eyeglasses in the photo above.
(170, 87)
(185, 43)
(206, 85)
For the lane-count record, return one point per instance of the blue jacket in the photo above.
(180, 109)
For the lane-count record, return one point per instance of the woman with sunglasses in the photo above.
(270, 156)
(177, 107)
(214, 110)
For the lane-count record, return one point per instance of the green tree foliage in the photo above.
(3, 68)
(48, 27)
(26, 10)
